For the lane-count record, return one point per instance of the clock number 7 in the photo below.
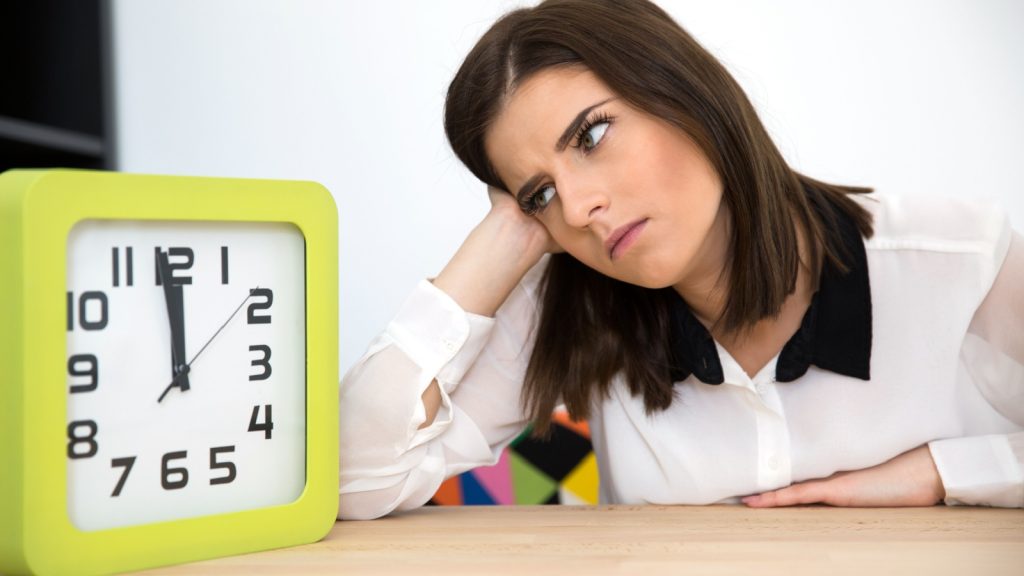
(266, 426)
(127, 463)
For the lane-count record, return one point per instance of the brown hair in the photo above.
(647, 59)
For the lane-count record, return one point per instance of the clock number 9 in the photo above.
(92, 371)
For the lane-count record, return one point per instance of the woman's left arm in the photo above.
(975, 470)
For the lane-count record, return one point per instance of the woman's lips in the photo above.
(624, 237)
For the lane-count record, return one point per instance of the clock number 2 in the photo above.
(268, 295)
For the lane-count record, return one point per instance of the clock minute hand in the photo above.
(174, 299)
(187, 367)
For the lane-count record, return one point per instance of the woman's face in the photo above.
(622, 191)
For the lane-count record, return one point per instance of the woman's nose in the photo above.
(581, 202)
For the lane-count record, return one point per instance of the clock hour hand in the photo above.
(174, 298)
(183, 373)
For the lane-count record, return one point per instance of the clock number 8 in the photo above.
(76, 439)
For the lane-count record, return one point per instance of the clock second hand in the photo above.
(187, 367)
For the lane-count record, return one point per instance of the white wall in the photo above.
(909, 96)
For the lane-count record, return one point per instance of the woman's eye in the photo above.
(592, 137)
(543, 197)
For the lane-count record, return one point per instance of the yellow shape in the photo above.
(583, 480)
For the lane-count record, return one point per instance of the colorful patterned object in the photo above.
(561, 470)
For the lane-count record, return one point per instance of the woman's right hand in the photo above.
(536, 240)
(495, 256)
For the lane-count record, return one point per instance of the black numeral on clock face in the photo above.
(92, 310)
(263, 362)
(267, 426)
(223, 264)
(268, 298)
(84, 365)
(186, 257)
(115, 256)
(82, 433)
(179, 474)
(127, 463)
(215, 465)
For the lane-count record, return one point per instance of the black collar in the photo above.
(835, 333)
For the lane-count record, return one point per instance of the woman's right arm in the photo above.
(437, 393)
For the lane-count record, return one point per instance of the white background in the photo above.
(908, 96)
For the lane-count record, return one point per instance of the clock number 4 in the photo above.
(267, 426)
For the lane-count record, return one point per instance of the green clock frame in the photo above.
(37, 210)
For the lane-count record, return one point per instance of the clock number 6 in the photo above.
(167, 471)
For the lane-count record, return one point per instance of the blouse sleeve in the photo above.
(389, 463)
(989, 470)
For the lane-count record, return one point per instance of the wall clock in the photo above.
(169, 390)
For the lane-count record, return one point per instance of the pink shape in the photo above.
(497, 480)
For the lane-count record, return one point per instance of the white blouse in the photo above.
(946, 369)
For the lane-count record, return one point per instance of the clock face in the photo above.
(186, 364)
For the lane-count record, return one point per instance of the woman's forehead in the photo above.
(534, 115)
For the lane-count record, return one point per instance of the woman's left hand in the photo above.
(909, 479)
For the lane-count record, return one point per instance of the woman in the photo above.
(731, 329)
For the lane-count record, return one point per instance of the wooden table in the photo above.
(650, 540)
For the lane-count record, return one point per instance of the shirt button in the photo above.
(761, 388)
(449, 345)
(773, 463)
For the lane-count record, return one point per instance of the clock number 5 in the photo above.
(229, 466)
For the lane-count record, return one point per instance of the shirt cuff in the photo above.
(438, 335)
(979, 471)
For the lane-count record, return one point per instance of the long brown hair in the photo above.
(647, 59)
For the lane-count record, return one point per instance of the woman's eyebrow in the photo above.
(573, 126)
(563, 141)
